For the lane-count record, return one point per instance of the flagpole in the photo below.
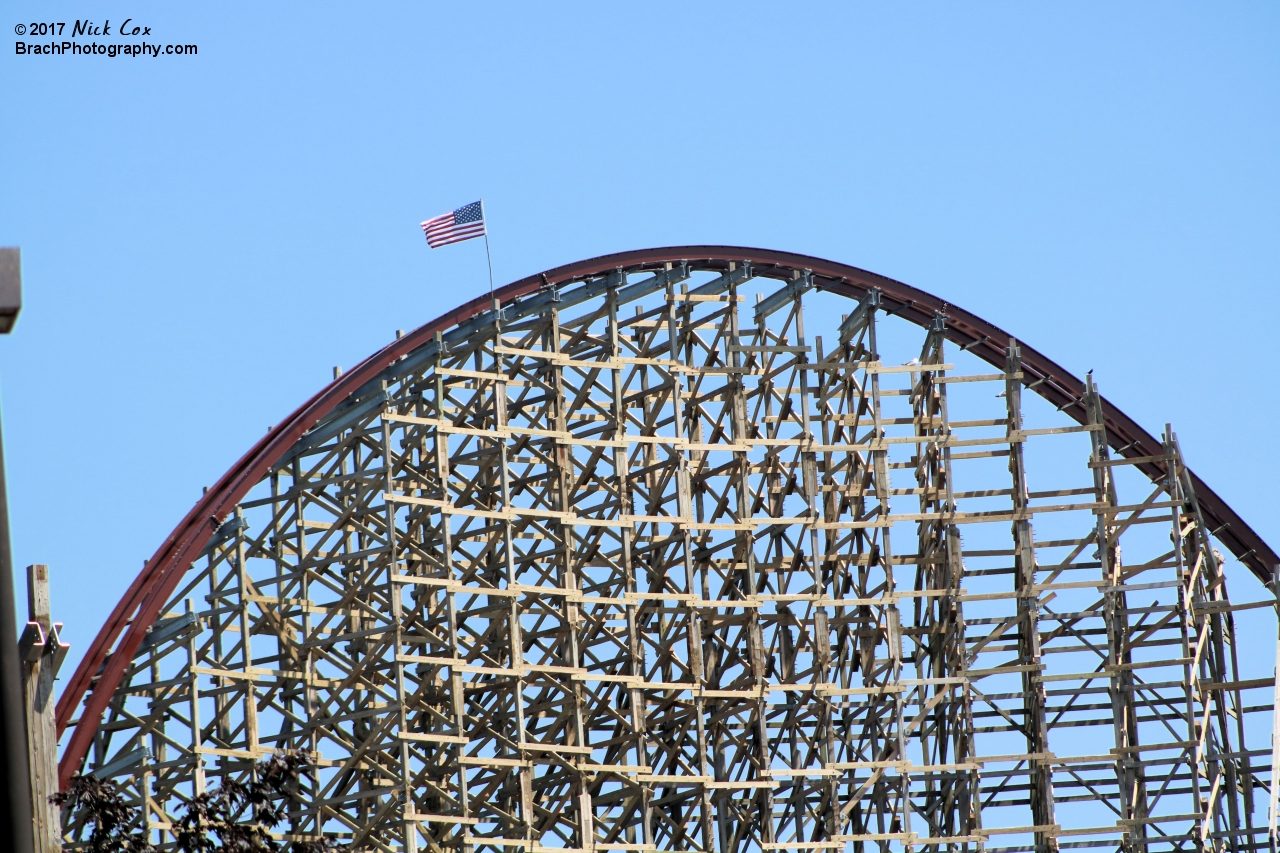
(488, 256)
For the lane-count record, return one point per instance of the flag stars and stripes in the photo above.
(462, 224)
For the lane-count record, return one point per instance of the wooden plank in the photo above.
(429, 737)
(470, 374)
(420, 817)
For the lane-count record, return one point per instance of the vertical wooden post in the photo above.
(38, 702)
(1123, 689)
(1034, 701)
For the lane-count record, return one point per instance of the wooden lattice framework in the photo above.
(683, 558)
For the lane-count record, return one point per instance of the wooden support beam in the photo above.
(42, 652)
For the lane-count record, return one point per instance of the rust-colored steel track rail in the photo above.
(106, 661)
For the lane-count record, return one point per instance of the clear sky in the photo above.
(204, 237)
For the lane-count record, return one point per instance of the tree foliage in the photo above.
(107, 812)
(236, 817)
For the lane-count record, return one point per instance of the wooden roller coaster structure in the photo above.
(701, 549)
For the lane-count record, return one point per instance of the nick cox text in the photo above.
(81, 28)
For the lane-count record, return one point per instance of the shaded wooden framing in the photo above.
(648, 567)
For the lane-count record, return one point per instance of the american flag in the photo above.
(461, 224)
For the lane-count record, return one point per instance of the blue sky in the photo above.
(205, 237)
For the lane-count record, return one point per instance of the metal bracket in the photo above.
(860, 316)
(344, 418)
(791, 290)
(223, 532)
(673, 275)
(32, 642)
(167, 629)
(737, 274)
(141, 755)
(60, 648)
(35, 644)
